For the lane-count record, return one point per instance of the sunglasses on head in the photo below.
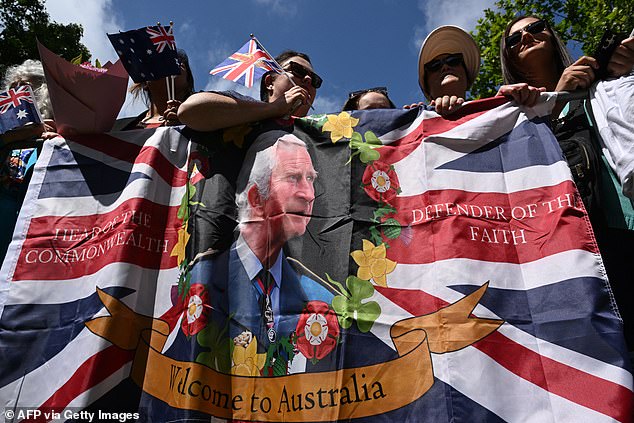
(380, 90)
(300, 72)
(452, 60)
(532, 28)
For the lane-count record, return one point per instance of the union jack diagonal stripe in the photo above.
(15, 97)
(161, 37)
(246, 65)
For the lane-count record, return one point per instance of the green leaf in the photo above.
(219, 356)
(77, 59)
(391, 228)
(368, 155)
(98, 64)
(359, 289)
(356, 138)
(370, 138)
(340, 306)
(367, 315)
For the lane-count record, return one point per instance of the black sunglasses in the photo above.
(380, 90)
(532, 28)
(300, 72)
(452, 60)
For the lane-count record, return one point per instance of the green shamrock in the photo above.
(216, 340)
(183, 210)
(349, 306)
(365, 149)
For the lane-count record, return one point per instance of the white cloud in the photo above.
(464, 14)
(279, 7)
(97, 17)
(324, 104)
(220, 52)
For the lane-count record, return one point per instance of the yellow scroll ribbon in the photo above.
(324, 396)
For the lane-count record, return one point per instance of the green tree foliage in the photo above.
(21, 21)
(580, 23)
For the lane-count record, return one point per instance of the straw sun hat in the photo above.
(446, 40)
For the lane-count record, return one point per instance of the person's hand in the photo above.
(49, 135)
(578, 75)
(291, 100)
(447, 104)
(170, 114)
(50, 129)
(49, 125)
(413, 105)
(522, 93)
(622, 59)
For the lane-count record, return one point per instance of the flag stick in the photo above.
(169, 91)
(278, 65)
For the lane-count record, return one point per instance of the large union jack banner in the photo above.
(388, 265)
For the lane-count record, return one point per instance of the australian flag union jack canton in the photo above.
(147, 53)
(246, 65)
(17, 108)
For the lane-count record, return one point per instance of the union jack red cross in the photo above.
(14, 97)
(246, 60)
(161, 36)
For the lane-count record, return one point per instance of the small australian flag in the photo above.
(17, 108)
(147, 53)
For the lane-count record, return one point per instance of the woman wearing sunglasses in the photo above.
(292, 92)
(448, 63)
(532, 53)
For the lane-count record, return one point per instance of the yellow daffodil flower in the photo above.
(246, 360)
(340, 126)
(372, 263)
(179, 248)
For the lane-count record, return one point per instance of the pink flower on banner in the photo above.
(89, 66)
(196, 310)
(317, 330)
(380, 182)
(198, 167)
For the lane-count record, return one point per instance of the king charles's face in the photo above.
(290, 202)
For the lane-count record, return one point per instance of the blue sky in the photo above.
(352, 44)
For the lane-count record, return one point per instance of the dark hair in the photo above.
(141, 88)
(353, 101)
(282, 57)
(511, 73)
(184, 60)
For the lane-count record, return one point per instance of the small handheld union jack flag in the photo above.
(17, 108)
(161, 36)
(247, 65)
(147, 53)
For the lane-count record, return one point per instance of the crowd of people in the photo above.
(533, 60)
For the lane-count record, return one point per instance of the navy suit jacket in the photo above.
(233, 296)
